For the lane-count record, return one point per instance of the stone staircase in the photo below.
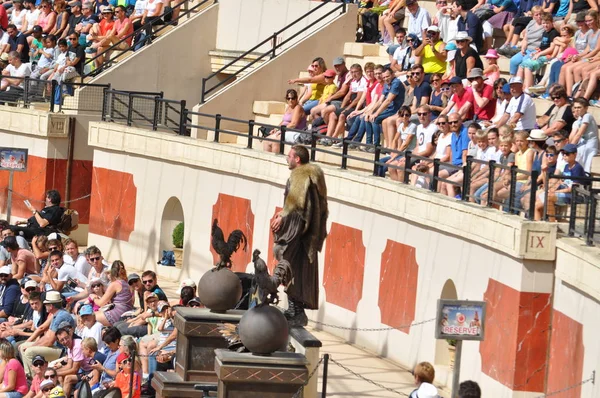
(220, 58)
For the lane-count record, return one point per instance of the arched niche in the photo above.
(171, 216)
(442, 356)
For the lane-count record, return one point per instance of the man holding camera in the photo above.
(432, 52)
(68, 277)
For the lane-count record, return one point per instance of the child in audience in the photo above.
(123, 377)
(329, 89)
(424, 373)
(61, 61)
(89, 347)
(492, 70)
(45, 64)
(507, 158)
(524, 162)
(584, 133)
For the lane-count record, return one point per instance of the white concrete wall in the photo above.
(245, 23)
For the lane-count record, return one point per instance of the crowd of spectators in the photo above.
(49, 40)
(67, 316)
(442, 96)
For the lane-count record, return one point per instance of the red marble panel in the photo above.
(112, 208)
(566, 356)
(81, 183)
(344, 266)
(398, 285)
(517, 325)
(234, 213)
(271, 262)
(26, 185)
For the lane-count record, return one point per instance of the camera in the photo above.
(71, 283)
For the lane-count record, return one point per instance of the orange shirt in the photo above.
(122, 383)
(106, 26)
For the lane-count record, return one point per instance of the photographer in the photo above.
(432, 52)
(404, 57)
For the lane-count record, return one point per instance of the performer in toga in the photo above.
(300, 230)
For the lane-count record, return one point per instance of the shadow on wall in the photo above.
(442, 356)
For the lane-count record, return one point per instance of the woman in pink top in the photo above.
(47, 18)
(14, 383)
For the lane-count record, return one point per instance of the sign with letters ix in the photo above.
(14, 159)
(460, 320)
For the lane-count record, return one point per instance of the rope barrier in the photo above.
(42, 201)
(373, 329)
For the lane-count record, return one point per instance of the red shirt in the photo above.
(3, 18)
(370, 86)
(459, 101)
(106, 26)
(119, 25)
(488, 111)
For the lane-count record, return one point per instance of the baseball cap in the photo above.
(47, 383)
(506, 88)
(569, 148)
(86, 310)
(456, 80)
(329, 73)
(450, 47)
(151, 296)
(515, 80)
(132, 277)
(339, 61)
(38, 358)
(162, 305)
(5, 270)
(37, 29)
(24, 281)
(122, 356)
(30, 283)
(185, 283)
(433, 28)
(65, 325)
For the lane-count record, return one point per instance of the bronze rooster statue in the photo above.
(264, 286)
(226, 249)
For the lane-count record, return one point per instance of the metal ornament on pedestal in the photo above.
(264, 329)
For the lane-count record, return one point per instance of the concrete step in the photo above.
(272, 119)
(220, 58)
(266, 108)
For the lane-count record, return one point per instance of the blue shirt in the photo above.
(472, 25)
(508, 5)
(110, 363)
(459, 144)
(9, 294)
(575, 171)
(563, 8)
(396, 88)
(60, 317)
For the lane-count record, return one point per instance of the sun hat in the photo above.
(53, 297)
(475, 73)
(537, 135)
(185, 283)
(491, 53)
(462, 35)
(329, 73)
(47, 383)
(515, 80)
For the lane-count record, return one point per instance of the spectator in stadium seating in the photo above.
(91, 327)
(293, 118)
(432, 52)
(584, 134)
(442, 19)
(466, 58)
(64, 273)
(424, 374)
(532, 39)
(391, 16)
(439, 95)
(7, 231)
(73, 25)
(108, 368)
(29, 309)
(355, 96)
(520, 112)
(483, 96)
(31, 18)
(40, 366)
(23, 261)
(62, 18)
(10, 289)
(75, 359)
(18, 43)
(502, 95)
(14, 382)
(334, 103)
(469, 23)
(117, 293)
(87, 22)
(524, 162)
(47, 18)
(49, 216)
(582, 65)
(569, 9)
(401, 139)
(507, 158)
(17, 70)
(46, 61)
(151, 15)
(491, 70)
(418, 19)
(138, 326)
(400, 39)
(513, 30)
(135, 283)
(75, 258)
(559, 116)
(459, 145)
(461, 101)
(45, 345)
(404, 56)
(312, 92)
(17, 14)
(318, 64)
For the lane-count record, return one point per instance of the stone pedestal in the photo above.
(250, 376)
(197, 338)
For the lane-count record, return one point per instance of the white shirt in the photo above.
(500, 109)
(95, 332)
(31, 17)
(80, 264)
(359, 86)
(67, 271)
(487, 154)
(404, 132)
(17, 20)
(418, 23)
(424, 136)
(22, 71)
(522, 104)
(442, 144)
(4, 38)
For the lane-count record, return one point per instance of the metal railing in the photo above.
(114, 49)
(24, 91)
(85, 101)
(271, 53)
(584, 220)
(145, 109)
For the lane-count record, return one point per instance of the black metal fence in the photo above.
(271, 53)
(584, 220)
(137, 39)
(27, 92)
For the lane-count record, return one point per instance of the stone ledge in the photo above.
(581, 268)
(511, 234)
(34, 122)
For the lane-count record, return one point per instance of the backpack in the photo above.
(168, 258)
(370, 27)
(69, 221)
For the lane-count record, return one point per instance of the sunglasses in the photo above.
(422, 113)
(126, 361)
(555, 141)
(456, 122)
(435, 80)
(290, 98)
(460, 41)
(133, 281)
(555, 97)
(72, 38)
(38, 364)
(49, 377)
(442, 123)
(30, 289)
(96, 285)
(53, 248)
(409, 40)
(94, 258)
(416, 73)
(405, 115)
(3, 275)
(47, 389)
(148, 281)
(550, 155)
(445, 89)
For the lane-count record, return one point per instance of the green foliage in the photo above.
(178, 236)
(452, 342)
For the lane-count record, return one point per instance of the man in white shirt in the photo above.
(66, 273)
(13, 88)
(91, 327)
(418, 19)
(76, 259)
(520, 112)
